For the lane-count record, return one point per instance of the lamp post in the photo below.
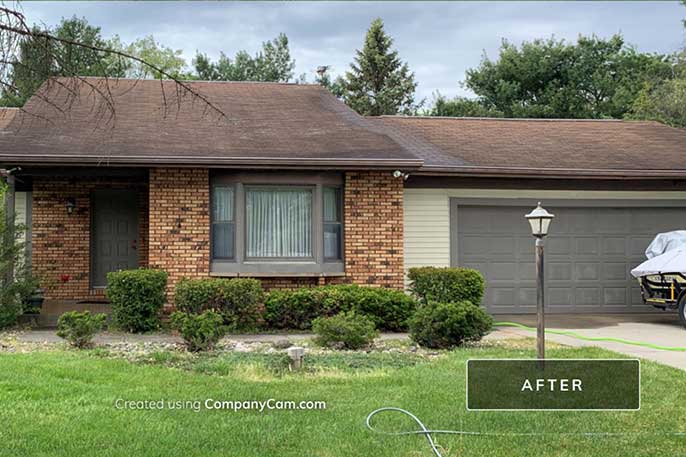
(539, 219)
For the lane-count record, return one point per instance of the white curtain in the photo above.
(279, 222)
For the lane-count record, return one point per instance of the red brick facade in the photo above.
(174, 226)
(180, 222)
(61, 241)
(373, 211)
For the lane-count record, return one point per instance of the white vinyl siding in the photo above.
(426, 228)
(21, 217)
(427, 215)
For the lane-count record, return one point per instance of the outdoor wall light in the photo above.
(71, 205)
(539, 219)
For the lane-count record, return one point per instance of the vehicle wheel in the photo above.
(682, 310)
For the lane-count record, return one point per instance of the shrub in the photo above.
(389, 309)
(136, 297)
(240, 301)
(446, 325)
(346, 330)
(17, 287)
(200, 331)
(447, 284)
(79, 328)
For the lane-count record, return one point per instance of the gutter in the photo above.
(524, 172)
(215, 162)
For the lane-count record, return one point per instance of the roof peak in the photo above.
(511, 119)
(192, 81)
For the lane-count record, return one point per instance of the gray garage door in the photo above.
(589, 253)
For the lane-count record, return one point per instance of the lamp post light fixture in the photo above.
(539, 219)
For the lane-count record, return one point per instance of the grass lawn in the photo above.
(61, 403)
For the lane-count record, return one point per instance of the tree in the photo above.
(272, 63)
(168, 60)
(592, 78)
(461, 107)
(72, 51)
(378, 81)
(41, 58)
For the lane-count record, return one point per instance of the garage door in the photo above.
(589, 253)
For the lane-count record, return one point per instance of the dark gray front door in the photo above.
(114, 233)
(589, 253)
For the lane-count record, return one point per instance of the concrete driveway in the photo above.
(661, 329)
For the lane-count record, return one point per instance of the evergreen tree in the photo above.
(378, 81)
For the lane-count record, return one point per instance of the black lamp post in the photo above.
(539, 219)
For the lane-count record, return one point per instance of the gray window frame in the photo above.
(339, 222)
(240, 264)
(212, 222)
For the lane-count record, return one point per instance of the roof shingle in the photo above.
(534, 146)
(265, 124)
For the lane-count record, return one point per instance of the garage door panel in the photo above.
(614, 271)
(586, 271)
(586, 246)
(614, 296)
(503, 270)
(558, 271)
(589, 254)
(614, 246)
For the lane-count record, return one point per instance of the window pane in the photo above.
(279, 222)
(222, 204)
(332, 204)
(332, 241)
(222, 240)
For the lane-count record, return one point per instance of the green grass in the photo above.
(61, 403)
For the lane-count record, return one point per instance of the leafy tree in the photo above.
(41, 58)
(461, 107)
(665, 102)
(592, 78)
(378, 81)
(166, 59)
(272, 63)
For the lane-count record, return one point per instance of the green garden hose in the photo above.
(591, 338)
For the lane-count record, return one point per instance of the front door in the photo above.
(114, 243)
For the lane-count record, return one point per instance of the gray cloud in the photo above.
(440, 40)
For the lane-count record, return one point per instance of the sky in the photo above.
(439, 40)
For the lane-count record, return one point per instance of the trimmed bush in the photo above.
(389, 309)
(137, 297)
(200, 331)
(79, 328)
(346, 330)
(447, 325)
(239, 300)
(447, 284)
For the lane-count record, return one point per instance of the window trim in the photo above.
(241, 265)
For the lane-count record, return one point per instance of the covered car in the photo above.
(663, 281)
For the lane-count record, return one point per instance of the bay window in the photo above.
(276, 224)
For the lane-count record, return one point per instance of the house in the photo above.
(284, 183)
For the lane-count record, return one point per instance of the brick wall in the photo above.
(61, 241)
(179, 230)
(373, 207)
(175, 230)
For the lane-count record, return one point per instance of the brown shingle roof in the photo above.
(266, 124)
(549, 147)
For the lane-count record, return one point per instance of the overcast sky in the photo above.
(439, 40)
